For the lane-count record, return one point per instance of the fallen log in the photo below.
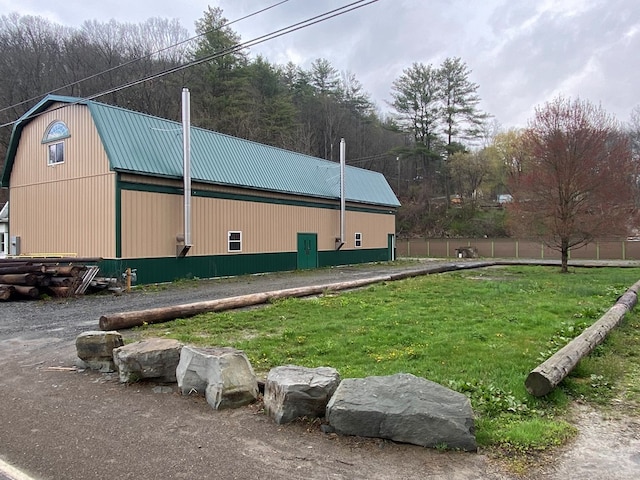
(60, 291)
(22, 269)
(57, 260)
(118, 321)
(19, 278)
(27, 291)
(61, 281)
(43, 280)
(546, 376)
(6, 291)
(65, 270)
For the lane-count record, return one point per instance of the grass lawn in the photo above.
(477, 331)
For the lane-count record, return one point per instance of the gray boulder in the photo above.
(153, 358)
(403, 408)
(224, 375)
(291, 392)
(95, 349)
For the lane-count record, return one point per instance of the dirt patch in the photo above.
(607, 446)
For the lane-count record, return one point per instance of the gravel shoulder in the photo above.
(61, 423)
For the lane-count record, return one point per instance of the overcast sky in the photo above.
(521, 52)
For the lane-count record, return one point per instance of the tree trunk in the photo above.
(564, 252)
(546, 376)
(27, 291)
(19, 278)
(6, 291)
(21, 269)
(164, 314)
(61, 291)
(66, 270)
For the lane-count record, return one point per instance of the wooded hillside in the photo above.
(446, 160)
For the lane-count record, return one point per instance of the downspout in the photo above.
(184, 241)
(340, 241)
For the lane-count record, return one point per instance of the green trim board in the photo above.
(331, 258)
(118, 219)
(169, 269)
(150, 188)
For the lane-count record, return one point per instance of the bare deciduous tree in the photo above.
(577, 182)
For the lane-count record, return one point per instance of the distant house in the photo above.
(4, 230)
(94, 180)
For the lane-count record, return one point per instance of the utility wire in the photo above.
(240, 46)
(145, 57)
(243, 45)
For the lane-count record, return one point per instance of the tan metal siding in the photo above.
(374, 228)
(69, 207)
(151, 221)
(83, 151)
(68, 216)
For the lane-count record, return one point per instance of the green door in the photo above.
(307, 250)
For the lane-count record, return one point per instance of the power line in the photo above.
(145, 57)
(243, 45)
(240, 46)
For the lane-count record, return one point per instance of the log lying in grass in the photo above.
(546, 376)
(164, 314)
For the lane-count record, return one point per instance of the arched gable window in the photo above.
(56, 131)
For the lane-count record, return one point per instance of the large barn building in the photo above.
(92, 180)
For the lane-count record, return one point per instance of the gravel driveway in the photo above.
(58, 423)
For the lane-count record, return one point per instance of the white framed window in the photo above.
(56, 154)
(358, 240)
(53, 135)
(234, 241)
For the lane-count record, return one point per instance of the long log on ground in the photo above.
(6, 291)
(62, 281)
(19, 278)
(7, 262)
(546, 376)
(164, 314)
(65, 270)
(60, 291)
(22, 269)
(59, 260)
(27, 291)
(43, 280)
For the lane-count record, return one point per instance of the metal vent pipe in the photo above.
(186, 153)
(343, 154)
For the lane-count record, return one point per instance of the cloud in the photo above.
(521, 52)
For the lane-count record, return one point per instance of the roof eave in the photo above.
(249, 187)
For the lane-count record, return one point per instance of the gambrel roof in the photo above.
(147, 145)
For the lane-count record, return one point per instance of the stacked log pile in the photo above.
(22, 278)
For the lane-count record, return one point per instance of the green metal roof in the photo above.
(143, 144)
